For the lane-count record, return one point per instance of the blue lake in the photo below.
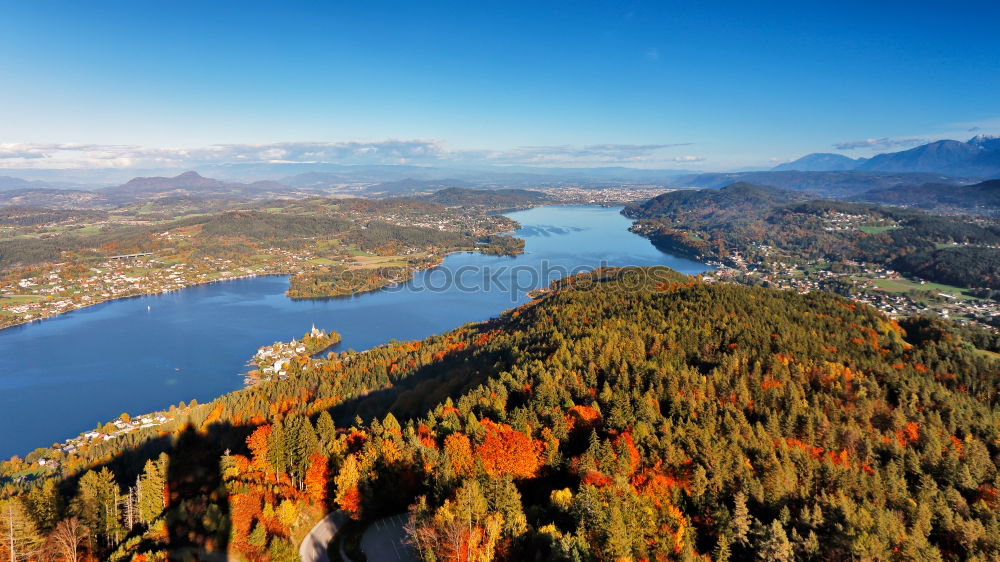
(67, 374)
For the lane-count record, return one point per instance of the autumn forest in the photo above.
(629, 414)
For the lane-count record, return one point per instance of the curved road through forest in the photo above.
(383, 541)
(314, 545)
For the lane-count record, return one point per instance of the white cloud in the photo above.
(389, 151)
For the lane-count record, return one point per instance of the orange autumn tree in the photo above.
(257, 442)
(244, 509)
(582, 417)
(505, 450)
(316, 478)
(625, 445)
(459, 450)
(348, 496)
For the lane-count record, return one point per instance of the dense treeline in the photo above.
(16, 215)
(719, 205)
(745, 218)
(385, 238)
(31, 250)
(260, 226)
(980, 197)
(629, 414)
(341, 281)
(961, 265)
(501, 245)
(108, 240)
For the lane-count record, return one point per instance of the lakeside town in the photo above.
(871, 284)
(272, 362)
(794, 267)
(182, 259)
(60, 288)
(64, 456)
(603, 194)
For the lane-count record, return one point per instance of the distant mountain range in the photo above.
(188, 184)
(192, 183)
(8, 183)
(15, 191)
(977, 157)
(836, 184)
(819, 162)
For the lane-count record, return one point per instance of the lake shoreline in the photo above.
(82, 306)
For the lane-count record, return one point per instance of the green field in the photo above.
(380, 261)
(20, 299)
(876, 229)
(327, 244)
(147, 207)
(904, 285)
(987, 353)
(821, 265)
(88, 230)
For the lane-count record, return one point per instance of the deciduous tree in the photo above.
(20, 535)
(67, 537)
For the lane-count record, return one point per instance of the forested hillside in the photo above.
(628, 414)
(983, 197)
(761, 223)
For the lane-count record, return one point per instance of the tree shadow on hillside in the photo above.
(198, 507)
(417, 394)
(197, 514)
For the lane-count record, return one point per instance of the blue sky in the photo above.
(693, 85)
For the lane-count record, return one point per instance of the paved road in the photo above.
(385, 540)
(313, 547)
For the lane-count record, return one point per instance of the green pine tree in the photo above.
(326, 432)
(773, 545)
(258, 536)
